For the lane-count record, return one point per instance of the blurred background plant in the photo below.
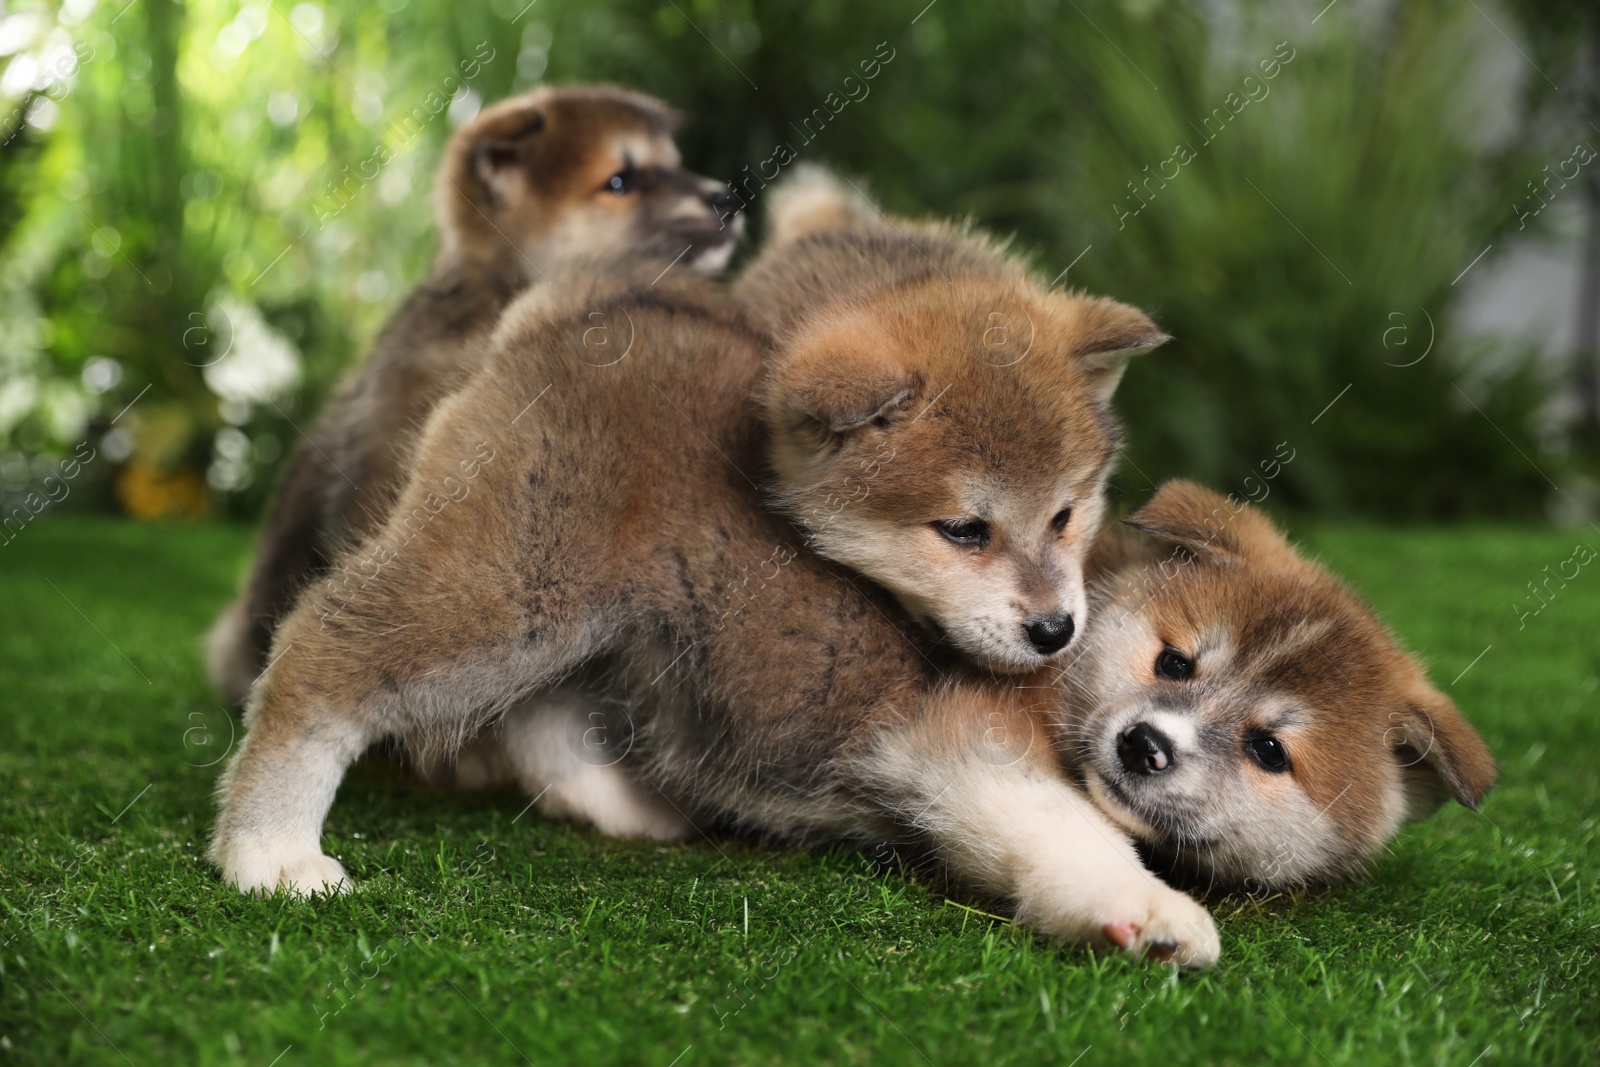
(1318, 201)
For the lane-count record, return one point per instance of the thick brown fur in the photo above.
(1277, 648)
(522, 184)
(925, 339)
(566, 513)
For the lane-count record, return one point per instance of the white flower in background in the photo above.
(101, 373)
(230, 463)
(19, 394)
(22, 359)
(464, 105)
(20, 31)
(394, 187)
(372, 286)
(260, 363)
(65, 408)
(283, 108)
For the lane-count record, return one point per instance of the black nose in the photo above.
(723, 201)
(1050, 633)
(1145, 750)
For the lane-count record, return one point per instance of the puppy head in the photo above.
(578, 169)
(949, 439)
(1247, 715)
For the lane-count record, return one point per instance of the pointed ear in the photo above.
(1208, 524)
(1108, 335)
(1441, 755)
(497, 161)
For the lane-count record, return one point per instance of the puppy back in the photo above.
(830, 245)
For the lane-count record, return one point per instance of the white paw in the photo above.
(1145, 919)
(1164, 925)
(297, 869)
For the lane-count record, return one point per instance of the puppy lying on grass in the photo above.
(1231, 706)
(603, 519)
(610, 525)
(1242, 712)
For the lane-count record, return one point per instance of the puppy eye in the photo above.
(1174, 666)
(968, 533)
(623, 181)
(1063, 517)
(1268, 752)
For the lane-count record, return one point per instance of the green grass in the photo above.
(493, 938)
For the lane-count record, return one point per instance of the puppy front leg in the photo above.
(979, 777)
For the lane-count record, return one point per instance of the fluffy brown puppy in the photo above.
(545, 175)
(1231, 705)
(567, 511)
(1240, 710)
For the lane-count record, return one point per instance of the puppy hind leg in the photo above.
(276, 795)
(370, 668)
(567, 751)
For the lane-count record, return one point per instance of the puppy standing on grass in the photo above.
(775, 689)
(551, 173)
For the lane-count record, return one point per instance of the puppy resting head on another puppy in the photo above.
(940, 421)
(1243, 712)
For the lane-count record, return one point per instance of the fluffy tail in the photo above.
(230, 653)
(812, 200)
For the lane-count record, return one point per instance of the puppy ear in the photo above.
(1440, 754)
(497, 161)
(816, 413)
(839, 380)
(1109, 334)
(1208, 524)
(811, 200)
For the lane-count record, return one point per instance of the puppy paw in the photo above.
(1163, 925)
(262, 870)
(1144, 919)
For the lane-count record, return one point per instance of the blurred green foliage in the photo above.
(1293, 199)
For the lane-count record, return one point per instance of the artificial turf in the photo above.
(481, 933)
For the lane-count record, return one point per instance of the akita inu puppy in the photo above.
(614, 520)
(1231, 705)
(1242, 712)
(550, 173)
